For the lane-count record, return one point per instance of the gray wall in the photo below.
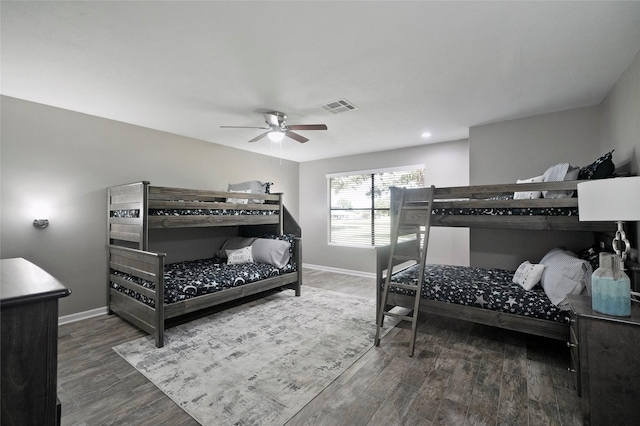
(523, 148)
(516, 149)
(620, 128)
(446, 165)
(57, 164)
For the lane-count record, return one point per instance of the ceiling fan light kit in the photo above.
(276, 136)
(277, 129)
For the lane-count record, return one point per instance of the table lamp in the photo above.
(616, 200)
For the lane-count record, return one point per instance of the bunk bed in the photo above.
(485, 206)
(146, 292)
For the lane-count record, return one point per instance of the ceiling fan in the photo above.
(277, 129)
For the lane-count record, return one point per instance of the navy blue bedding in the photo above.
(484, 288)
(188, 279)
(500, 211)
(193, 212)
(185, 280)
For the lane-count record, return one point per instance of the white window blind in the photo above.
(359, 204)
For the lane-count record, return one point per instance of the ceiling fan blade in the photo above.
(296, 136)
(307, 127)
(257, 138)
(244, 127)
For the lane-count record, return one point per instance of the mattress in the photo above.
(504, 211)
(135, 213)
(189, 279)
(483, 288)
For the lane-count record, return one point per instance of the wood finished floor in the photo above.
(461, 374)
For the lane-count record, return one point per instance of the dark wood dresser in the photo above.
(29, 350)
(605, 355)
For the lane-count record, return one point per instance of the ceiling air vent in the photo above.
(338, 106)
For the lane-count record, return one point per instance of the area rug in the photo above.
(261, 362)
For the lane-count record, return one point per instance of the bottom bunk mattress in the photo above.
(491, 289)
(189, 279)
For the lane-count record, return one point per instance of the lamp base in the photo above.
(620, 243)
(611, 287)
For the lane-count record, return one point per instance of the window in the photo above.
(359, 204)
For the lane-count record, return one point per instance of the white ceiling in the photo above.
(190, 67)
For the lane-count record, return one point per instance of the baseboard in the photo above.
(82, 315)
(339, 270)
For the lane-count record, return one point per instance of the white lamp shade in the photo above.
(276, 136)
(615, 199)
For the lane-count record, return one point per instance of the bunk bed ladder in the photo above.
(412, 217)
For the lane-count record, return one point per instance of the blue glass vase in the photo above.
(611, 287)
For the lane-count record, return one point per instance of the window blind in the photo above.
(359, 204)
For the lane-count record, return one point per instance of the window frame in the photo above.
(371, 209)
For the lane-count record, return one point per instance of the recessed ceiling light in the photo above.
(426, 135)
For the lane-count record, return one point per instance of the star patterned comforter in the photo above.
(507, 211)
(185, 280)
(194, 212)
(499, 211)
(484, 288)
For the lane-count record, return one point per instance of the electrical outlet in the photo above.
(633, 254)
(601, 245)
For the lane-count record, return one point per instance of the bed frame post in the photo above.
(145, 216)
(159, 302)
(290, 226)
(281, 215)
(133, 196)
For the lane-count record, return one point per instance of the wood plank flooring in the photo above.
(461, 374)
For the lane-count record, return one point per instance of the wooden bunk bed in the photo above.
(486, 206)
(136, 209)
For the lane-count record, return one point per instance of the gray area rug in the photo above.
(261, 362)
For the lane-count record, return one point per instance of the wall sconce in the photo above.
(41, 223)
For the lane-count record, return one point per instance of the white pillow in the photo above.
(528, 274)
(239, 256)
(252, 187)
(558, 173)
(271, 251)
(528, 195)
(239, 200)
(564, 274)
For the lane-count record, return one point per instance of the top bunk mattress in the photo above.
(506, 211)
(135, 213)
(483, 288)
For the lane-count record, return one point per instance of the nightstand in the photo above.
(605, 356)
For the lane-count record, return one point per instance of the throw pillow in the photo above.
(602, 168)
(239, 256)
(233, 243)
(271, 251)
(528, 195)
(528, 275)
(564, 274)
(239, 200)
(558, 173)
(251, 187)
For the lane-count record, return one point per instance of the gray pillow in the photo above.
(564, 274)
(233, 243)
(254, 187)
(273, 252)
